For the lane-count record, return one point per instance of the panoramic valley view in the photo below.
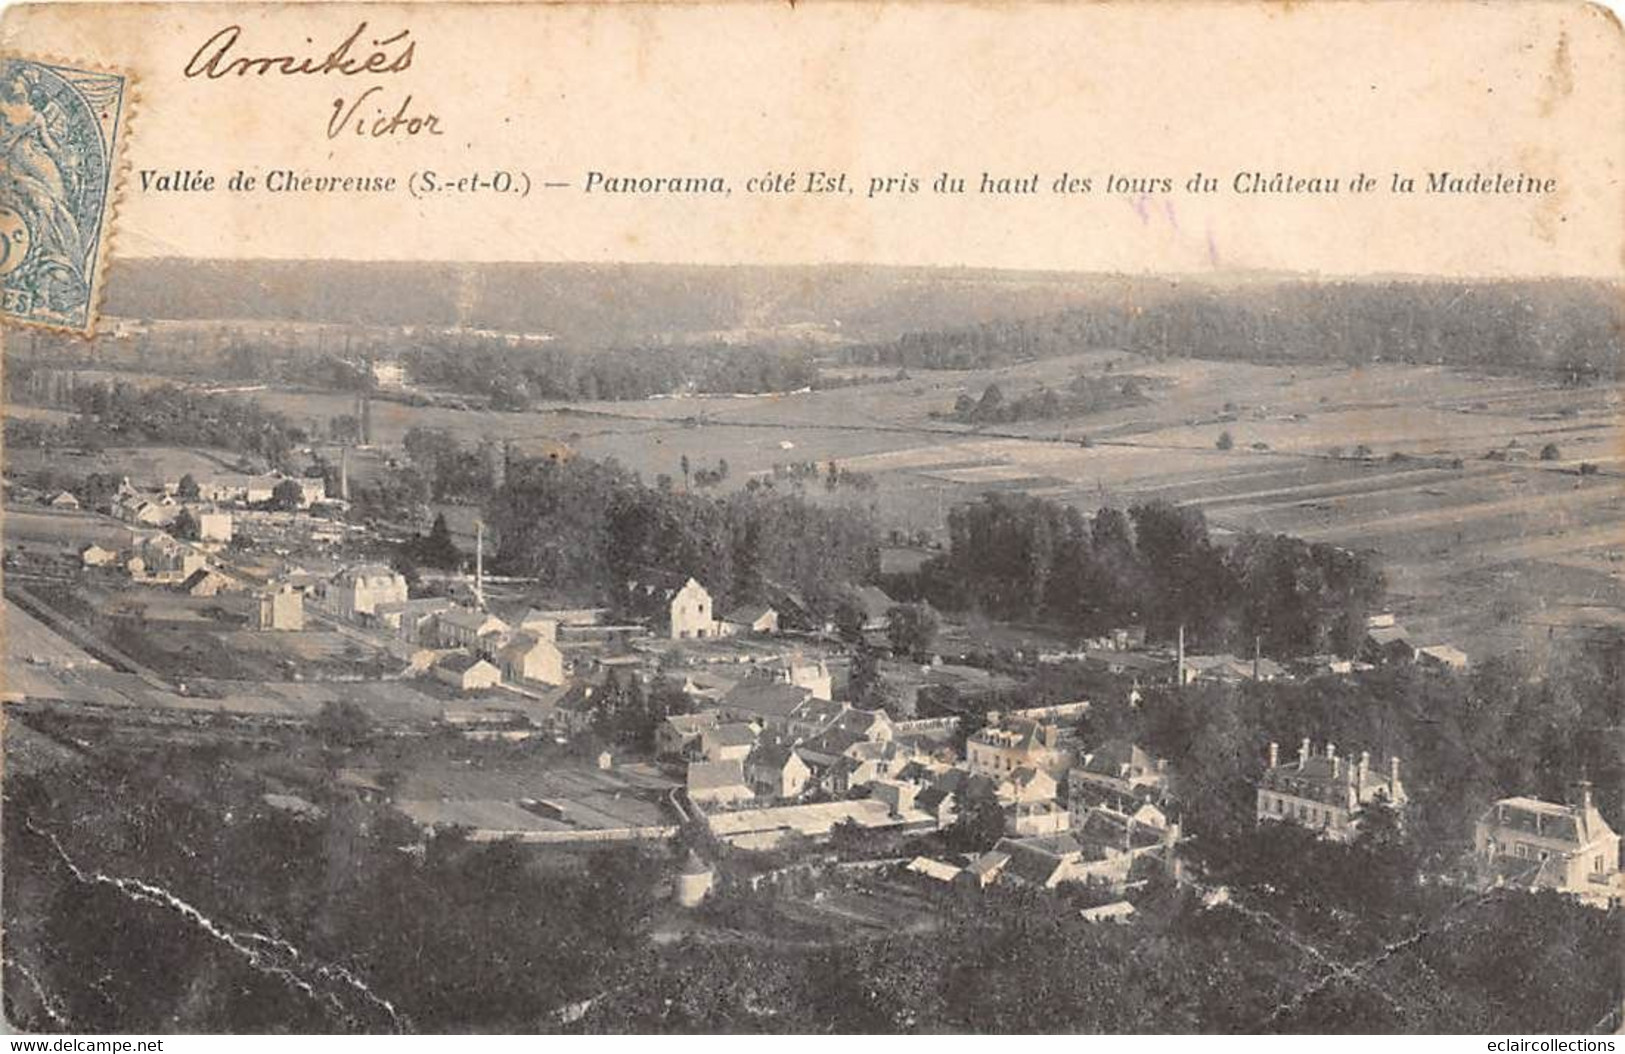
(449, 648)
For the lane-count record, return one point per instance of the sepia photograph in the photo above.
(477, 642)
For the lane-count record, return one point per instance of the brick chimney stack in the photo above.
(1275, 754)
(1365, 766)
(1393, 777)
(1303, 754)
(1580, 793)
(1331, 755)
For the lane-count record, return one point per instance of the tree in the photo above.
(287, 495)
(1225, 441)
(436, 549)
(912, 629)
(184, 526)
(865, 671)
(849, 618)
(187, 488)
(342, 725)
(1550, 452)
(980, 823)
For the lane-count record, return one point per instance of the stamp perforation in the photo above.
(117, 181)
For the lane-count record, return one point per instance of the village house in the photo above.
(1543, 845)
(748, 620)
(679, 732)
(527, 658)
(718, 783)
(1026, 785)
(1442, 657)
(766, 827)
(94, 555)
(1324, 792)
(843, 731)
(411, 620)
(936, 870)
(999, 750)
(280, 609)
(1118, 911)
(689, 615)
(467, 628)
(213, 525)
(1042, 862)
(940, 803)
(204, 582)
(946, 792)
(466, 673)
(875, 605)
(160, 558)
(862, 764)
(811, 674)
(145, 510)
(1228, 669)
(708, 687)
(1116, 773)
(1323, 665)
(1026, 819)
(771, 703)
(1104, 849)
(1386, 642)
(541, 624)
(728, 742)
(899, 796)
(985, 869)
(256, 490)
(357, 591)
(238, 487)
(63, 499)
(774, 770)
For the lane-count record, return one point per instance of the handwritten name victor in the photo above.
(219, 56)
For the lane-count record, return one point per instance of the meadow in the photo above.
(1489, 554)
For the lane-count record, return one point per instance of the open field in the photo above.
(54, 530)
(626, 796)
(146, 466)
(1493, 554)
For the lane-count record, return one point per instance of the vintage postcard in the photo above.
(837, 517)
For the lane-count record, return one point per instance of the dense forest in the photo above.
(125, 414)
(1294, 954)
(1572, 331)
(160, 893)
(1019, 557)
(512, 378)
(595, 528)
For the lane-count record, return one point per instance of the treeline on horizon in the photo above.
(617, 344)
(512, 378)
(1573, 330)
